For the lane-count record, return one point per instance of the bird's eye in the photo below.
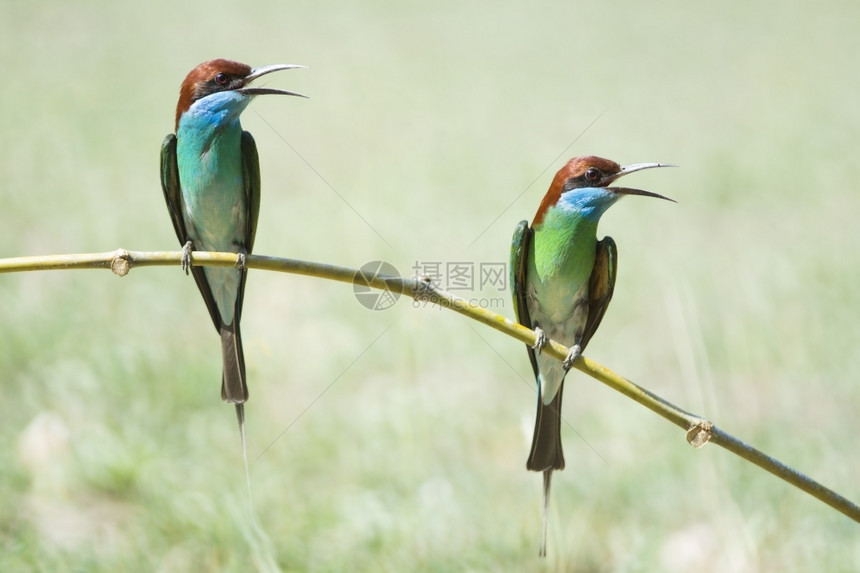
(221, 78)
(592, 173)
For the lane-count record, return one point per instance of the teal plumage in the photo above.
(210, 175)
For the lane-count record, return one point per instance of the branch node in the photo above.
(699, 433)
(422, 285)
(120, 264)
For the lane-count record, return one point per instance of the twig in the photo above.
(699, 431)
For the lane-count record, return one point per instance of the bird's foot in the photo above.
(240, 261)
(540, 340)
(575, 352)
(185, 261)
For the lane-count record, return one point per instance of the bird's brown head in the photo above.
(208, 78)
(591, 171)
(224, 75)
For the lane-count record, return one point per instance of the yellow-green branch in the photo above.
(699, 431)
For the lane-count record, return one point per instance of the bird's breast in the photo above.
(211, 179)
(561, 259)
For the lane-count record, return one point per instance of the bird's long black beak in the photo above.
(629, 191)
(262, 71)
(628, 169)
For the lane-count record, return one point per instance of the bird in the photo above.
(210, 175)
(562, 280)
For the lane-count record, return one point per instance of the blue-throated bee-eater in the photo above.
(210, 175)
(563, 279)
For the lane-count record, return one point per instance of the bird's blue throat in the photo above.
(588, 202)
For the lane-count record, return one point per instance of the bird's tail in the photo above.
(546, 454)
(234, 389)
(546, 451)
(547, 481)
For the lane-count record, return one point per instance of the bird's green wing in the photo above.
(176, 207)
(519, 267)
(251, 176)
(170, 186)
(601, 285)
(519, 252)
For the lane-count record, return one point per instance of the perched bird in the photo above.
(562, 279)
(210, 175)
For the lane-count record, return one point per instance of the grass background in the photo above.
(431, 130)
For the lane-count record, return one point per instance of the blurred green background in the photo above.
(396, 440)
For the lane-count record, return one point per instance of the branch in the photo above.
(699, 431)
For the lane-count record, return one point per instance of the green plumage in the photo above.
(563, 279)
(222, 288)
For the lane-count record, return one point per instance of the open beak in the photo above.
(627, 169)
(262, 71)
